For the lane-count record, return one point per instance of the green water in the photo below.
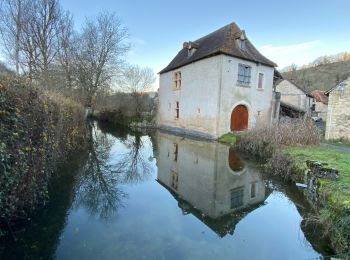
(160, 196)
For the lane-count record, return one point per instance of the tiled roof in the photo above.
(222, 41)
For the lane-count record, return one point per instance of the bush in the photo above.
(265, 143)
(37, 131)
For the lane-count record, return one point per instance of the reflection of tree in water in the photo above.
(136, 166)
(98, 188)
(99, 183)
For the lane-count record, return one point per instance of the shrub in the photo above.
(37, 131)
(265, 143)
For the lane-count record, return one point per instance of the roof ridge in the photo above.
(221, 28)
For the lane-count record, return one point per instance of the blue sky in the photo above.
(285, 31)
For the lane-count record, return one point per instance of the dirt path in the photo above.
(336, 148)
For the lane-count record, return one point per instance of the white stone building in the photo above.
(209, 180)
(217, 84)
(294, 96)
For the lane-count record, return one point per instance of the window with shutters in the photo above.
(244, 74)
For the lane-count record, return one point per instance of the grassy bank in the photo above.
(38, 130)
(118, 118)
(334, 195)
(284, 150)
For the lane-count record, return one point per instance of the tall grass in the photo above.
(265, 143)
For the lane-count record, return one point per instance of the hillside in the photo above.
(322, 77)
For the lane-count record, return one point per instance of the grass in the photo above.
(339, 191)
(229, 138)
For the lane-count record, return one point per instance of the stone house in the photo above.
(321, 104)
(209, 180)
(293, 96)
(338, 113)
(217, 84)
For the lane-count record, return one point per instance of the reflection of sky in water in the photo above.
(152, 226)
(198, 218)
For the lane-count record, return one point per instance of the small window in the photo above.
(177, 110)
(237, 198)
(174, 180)
(177, 80)
(261, 81)
(253, 190)
(244, 74)
(242, 44)
(176, 151)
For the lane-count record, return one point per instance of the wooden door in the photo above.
(235, 163)
(239, 118)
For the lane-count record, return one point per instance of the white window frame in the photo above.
(177, 80)
(262, 82)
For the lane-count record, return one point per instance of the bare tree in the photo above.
(99, 55)
(11, 22)
(66, 43)
(136, 80)
(42, 26)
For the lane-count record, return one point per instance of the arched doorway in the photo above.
(235, 163)
(239, 118)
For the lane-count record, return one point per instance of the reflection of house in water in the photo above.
(209, 181)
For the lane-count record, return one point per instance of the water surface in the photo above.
(160, 196)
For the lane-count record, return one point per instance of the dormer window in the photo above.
(242, 44)
(241, 40)
(191, 48)
(190, 52)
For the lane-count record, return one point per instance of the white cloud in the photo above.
(300, 53)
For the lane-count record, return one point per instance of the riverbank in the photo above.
(38, 131)
(118, 118)
(289, 162)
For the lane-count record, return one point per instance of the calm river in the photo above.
(162, 196)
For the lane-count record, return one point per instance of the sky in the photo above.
(286, 32)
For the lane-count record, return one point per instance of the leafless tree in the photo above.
(136, 80)
(66, 46)
(99, 55)
(11, 22)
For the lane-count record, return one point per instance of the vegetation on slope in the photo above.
(321, 77)
(37, 131)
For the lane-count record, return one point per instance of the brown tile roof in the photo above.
(320, 96)
(222, 41)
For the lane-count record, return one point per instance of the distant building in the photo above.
(210, 183)
(338, 113)
(293, 97)
(217, 84)
(321, 104)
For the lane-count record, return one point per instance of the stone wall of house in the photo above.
(338, 115)
(321, 110)
(197, 97)
(209, 92)
(210, 185)
(259, 102)
(292, 95)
